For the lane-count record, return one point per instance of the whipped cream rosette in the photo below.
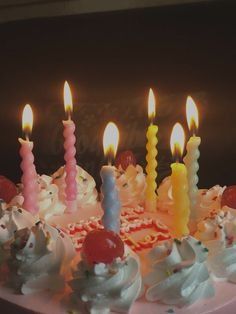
(165, 199)
(104, 287)
(3, 206)
(40, 256)
(178, 275)
(48, 198)
(131, 184)
(218, 233)
(86, 186)
(207, 201)
(13, 219)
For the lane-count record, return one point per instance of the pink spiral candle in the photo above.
(70, 166)
(29, 177)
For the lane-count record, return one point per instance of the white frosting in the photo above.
(14, 219)
(86, 186)
(3, 206)
(48, 199)
(41, 263)
(131, 184)
(210, 200)
(218, 233)
(165, 199)
(104, 288)
(207, 200)
(51, 197)
(178, 275)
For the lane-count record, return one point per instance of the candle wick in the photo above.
(176, 158)
(151, 118)
(110, 157)
(69, 114)
(109, 160)
(26, 135)
(194, 129)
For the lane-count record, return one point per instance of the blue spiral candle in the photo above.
(110, 200)
(110, 197)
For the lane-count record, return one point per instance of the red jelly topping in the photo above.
(7, 189)
(229, 197)
(102, 246)
(124, 159)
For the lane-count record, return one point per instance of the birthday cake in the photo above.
(178, 276)
(65, 248)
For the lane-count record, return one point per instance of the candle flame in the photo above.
(110, 140)
(68, 104)
(151, 105)
(177, 141)
(27, 120)
(192, 115)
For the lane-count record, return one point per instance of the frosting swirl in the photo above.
(86, 186)
(165, 199)
(14, 219)
(179, 275)
(218, 233)
(39, 258)
(49, 203)
(3, 206)
(207, 200)
(131, 184)
(51, 196)
(48, 198)
(108, 287)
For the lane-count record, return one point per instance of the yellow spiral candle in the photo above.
(179, 183)
(151, 157)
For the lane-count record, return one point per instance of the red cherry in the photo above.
(7, 189)
(102, 246)
(229, 197)
(124, 159)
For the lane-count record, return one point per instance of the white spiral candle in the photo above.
(192, 156)
(191, 163)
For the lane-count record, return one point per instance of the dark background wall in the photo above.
(110, 60)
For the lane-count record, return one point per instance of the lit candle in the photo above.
(110, 198)
(29, 176)
(191, 158)
(70, 152)
(151, 197)
(179, 184)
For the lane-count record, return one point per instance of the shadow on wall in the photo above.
(131, 119)
(111, 60)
